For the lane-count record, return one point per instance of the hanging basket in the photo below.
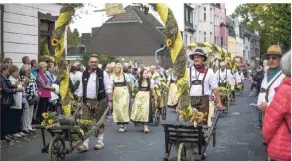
(113, 9)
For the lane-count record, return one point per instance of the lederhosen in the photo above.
(221, 84)
(201, 103)
(150, 119)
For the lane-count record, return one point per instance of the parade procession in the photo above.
(107, 108)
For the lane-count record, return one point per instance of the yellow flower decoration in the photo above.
(227, 84)
(54, 42)
(168, 42)
(50, 121)
(43, 123)
(45, 115)
(182, 113)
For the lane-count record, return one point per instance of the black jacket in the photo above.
(258, 78)
(7, 92)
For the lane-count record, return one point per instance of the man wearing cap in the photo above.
(94, 86)
(224, 75)
(202, 81)
(272, 78)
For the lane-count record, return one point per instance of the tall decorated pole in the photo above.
(178, 56)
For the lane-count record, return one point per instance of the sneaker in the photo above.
(110, 116)
(26, 132)
(82, 148)
(22, 134)
(17, 135)
(122, 129)
(99, 146)
(8, 138)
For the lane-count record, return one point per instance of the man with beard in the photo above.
(95, 85)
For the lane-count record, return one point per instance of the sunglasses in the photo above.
(271, 57)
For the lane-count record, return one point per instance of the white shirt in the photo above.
(74, 78)
(265, 84)
(91, 85)
(239, 77)
(115, 80)
(145, 84)
(223, 77)
(210, 82)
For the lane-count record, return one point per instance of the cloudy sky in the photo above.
(89, 18)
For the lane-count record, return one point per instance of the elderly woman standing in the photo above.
(277, 119)
(44, 90)
(121, 97)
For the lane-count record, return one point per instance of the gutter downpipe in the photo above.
(156, 54)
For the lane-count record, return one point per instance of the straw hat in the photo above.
(274, 50)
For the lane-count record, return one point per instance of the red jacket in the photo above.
(275, 130)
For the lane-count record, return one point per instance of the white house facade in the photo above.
(201, 18)
(24, 28)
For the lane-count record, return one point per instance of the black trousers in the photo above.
(5, 116)
(43, 106)
(15, 117)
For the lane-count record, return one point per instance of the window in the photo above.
(204, 13)
(221, 41)
(191, 39)
(211, 36)
(210, 15)
(218, 40)
(191, 16)
(187, 14)
(195, 39)
(199, 35)
(214, 39)
(205, 37)
(46, 28)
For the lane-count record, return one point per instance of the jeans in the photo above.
(109, 112)
(260, 117)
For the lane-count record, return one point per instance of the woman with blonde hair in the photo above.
(121, 97)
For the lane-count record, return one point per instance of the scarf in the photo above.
(201, 69)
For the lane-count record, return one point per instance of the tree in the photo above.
(103, 58)
(272, 21)
(73, 38)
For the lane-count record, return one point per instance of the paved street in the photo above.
(237, 140)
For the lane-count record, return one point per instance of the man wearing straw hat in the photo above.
(202, 81)
(272, 79)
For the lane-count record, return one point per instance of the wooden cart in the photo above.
(184, 136)
(56, 148)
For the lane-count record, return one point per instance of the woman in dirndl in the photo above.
(142, 110)
(121, 97)
(172, 99)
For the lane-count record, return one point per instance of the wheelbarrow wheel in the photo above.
(181, 152)
(164, 113)
(157, 117)
(57, 149)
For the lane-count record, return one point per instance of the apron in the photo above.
(201, 103)
(142, 110)
(172, 100)
(121, 102)
(221, 81)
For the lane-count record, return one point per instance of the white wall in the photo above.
(239, 41)
(20, 29)
(202, 25)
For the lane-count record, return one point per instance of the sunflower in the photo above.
(168, 42)
(54, 42)
(43, 123)
(45, 115)
(50, 121)
(227, 84)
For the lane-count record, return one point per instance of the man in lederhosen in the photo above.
(224, 76)
(273, 78)
(202, 82)
(94, 87)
